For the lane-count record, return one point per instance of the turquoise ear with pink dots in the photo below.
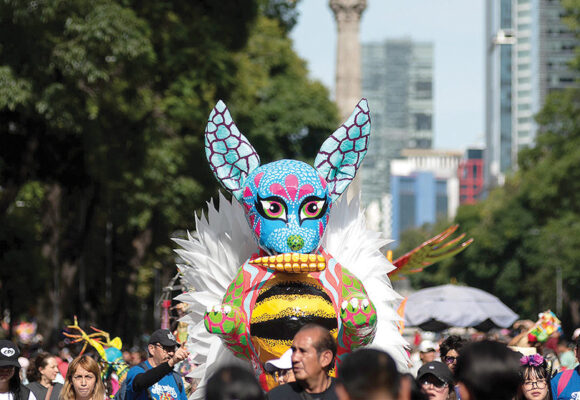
(230, 155)
(342, 153)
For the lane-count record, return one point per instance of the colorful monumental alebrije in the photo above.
(292, 280)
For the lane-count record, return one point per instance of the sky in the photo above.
(456, 27)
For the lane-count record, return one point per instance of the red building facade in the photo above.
(470, 174)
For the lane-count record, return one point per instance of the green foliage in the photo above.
(103, 105)
(282, 113)
(528, 230)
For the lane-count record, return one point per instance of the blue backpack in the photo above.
(122, 392)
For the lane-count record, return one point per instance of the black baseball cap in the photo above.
(438, 370)
(9, 354)
(164, 337)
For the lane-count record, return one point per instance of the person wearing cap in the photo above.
(426, 354)
(427, 351)
(10, 386)
(154, 379)
(436, 381)
(281, 368)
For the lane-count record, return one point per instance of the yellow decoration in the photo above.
(292, 262)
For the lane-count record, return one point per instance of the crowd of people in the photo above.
(454, 369)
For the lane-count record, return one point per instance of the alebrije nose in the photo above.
(295, 242)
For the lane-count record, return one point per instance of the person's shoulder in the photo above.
(135, 370)
(289, 390)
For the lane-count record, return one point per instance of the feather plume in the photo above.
(211, 257)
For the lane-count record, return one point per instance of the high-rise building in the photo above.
(397, 80)
(499, 34)
(543, 49)
(528, 51)
(424, 188)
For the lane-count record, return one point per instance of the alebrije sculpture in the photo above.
(254, 283)
(108, 349)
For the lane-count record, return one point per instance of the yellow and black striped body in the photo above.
(285, 304)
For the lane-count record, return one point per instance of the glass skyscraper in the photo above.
(397, 80)
(528, 51)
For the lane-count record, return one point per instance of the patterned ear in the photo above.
(231, 156)
(342, 153)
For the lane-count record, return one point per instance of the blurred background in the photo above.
(103, 106)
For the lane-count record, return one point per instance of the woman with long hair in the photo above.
(10, 386)
(42, 373)
(83, 380)
(535, 374)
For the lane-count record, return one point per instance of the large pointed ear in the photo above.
(231, 156)
(342, 153)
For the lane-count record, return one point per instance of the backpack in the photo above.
(122, 392)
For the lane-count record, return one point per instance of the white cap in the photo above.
(427, 346)
(576, 334)
(284, 362)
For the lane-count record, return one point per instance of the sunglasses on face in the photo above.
(436, 383)
(450, 359)
(168, 349)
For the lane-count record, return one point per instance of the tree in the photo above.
(102, 111)
(526, 232)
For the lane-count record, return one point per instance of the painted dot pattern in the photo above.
(342, 153)
(230, 154)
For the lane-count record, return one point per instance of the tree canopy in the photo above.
(527, 233)
(103, 106)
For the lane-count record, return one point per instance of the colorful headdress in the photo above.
(535, 360)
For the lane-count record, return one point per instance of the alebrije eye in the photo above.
(312, 209)
(273, 209)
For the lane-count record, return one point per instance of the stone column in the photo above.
(348, 90)
(348, 58)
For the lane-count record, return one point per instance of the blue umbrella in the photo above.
(440, 307)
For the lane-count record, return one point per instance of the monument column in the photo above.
(348, 58)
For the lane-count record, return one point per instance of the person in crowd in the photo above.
(313, 353)
(136, 357)
(535, 375)
(427, 353)
(449, 350)
(281, 368)
(566, 384)
(233, 383)
(10, 386)
(487, 371)
(41, 374)
(566, 355)
(154, 379)
(436, 381)
(83, 380)
(368, 374)
(63, 360)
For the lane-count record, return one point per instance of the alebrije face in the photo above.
(287, 206)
